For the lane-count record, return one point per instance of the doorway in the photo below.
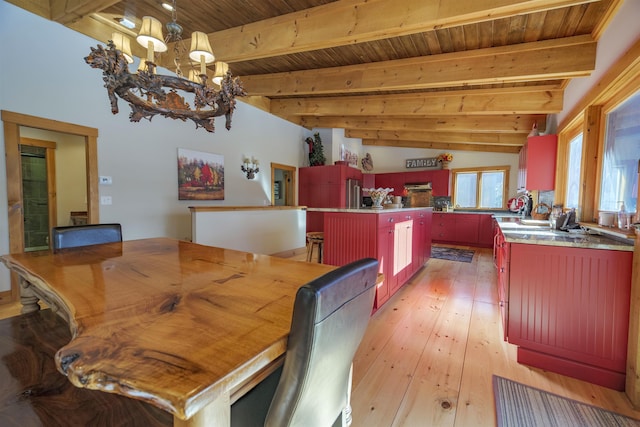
(14, 124)
(283, 184)
(37, 159)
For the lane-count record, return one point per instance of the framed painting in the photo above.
(200, 175)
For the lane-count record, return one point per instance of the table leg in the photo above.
(28, 298)
(216, 413)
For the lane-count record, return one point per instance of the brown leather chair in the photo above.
(74, 236)
(330, 316)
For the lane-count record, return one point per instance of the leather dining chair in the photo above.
(330, 316)
(74, 236)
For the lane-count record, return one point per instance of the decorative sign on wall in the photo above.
(427, 162)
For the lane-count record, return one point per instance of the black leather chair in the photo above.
(84, 235)
(330, 316)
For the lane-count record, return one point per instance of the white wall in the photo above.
(45, 75)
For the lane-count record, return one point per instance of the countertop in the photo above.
(533, 232)
(496, 214)
(242, 208)
(365, 210)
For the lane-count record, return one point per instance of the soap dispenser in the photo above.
(622, 216)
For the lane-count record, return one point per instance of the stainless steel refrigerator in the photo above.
(353, 194)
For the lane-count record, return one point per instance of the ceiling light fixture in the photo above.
(144, 89)
(127, 23)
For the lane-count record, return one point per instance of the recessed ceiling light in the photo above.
(168, 6)
(126, 22)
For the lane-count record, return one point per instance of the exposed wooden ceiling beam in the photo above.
(355, 21)
(445, 137)
(67, 11)
(444, 146)
(520, 100)
(498, 123)
(545, 60)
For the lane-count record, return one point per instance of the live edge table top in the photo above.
(170, 322)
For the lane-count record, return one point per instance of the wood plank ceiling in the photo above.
(453, 75)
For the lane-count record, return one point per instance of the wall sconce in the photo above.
(250, 167)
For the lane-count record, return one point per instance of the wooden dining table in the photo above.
(186, 327)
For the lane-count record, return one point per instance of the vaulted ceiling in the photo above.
(446, 74)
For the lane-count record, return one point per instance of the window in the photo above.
(480, 188)
(573, 173)
(620, 160)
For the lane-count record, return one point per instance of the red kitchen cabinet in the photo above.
(315, 221)
(501, 252)
(416, 177)
(485, 230)
(568, 310)
(537, 163)
(439, 179)
(442, 227)
(385, 258)
(368, 180)
(421, 238)
(391, 180)
(325, 186)
(463, 229)
(466, 228)
(440, 182)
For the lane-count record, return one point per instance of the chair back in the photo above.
(330, 316)
(84, 235)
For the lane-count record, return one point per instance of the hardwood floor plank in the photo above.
(375, 400)
(432, 396)
(485, 355)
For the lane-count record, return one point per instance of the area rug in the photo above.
(518, 405)
(452, 254)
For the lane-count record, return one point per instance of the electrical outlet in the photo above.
(105, 180)
(105, 200)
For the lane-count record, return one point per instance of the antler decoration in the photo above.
(209, 103)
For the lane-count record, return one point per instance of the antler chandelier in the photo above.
(145, 91)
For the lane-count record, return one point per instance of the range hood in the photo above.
(418, 187)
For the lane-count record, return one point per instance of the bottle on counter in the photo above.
(622, 216)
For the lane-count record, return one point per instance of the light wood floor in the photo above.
(429, 354)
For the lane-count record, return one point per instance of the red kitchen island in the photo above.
(399, 238)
